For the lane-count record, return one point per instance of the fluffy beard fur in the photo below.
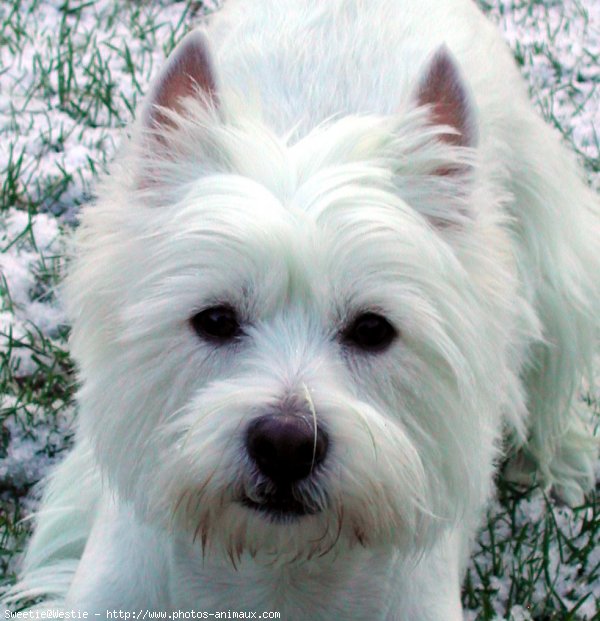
(301, 221)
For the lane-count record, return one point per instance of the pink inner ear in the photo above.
(443, 90)
(188, 70)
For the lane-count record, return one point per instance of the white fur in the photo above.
(312, 193)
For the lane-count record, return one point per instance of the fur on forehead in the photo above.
(403, 154)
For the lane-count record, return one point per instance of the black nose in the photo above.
(286, 447)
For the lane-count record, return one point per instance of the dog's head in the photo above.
(293, 345)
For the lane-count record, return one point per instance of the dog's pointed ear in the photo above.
(442, 89)
(188, 72)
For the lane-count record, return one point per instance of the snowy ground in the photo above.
(71, 74)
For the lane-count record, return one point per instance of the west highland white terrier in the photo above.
(341, 270)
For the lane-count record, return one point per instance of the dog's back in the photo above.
(307, 62)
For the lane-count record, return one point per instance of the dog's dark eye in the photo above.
(370, 332)
(218, 323)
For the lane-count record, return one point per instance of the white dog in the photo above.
(341, 269)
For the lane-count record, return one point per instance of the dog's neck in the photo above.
(334, 582)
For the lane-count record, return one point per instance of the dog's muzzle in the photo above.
(286, 449)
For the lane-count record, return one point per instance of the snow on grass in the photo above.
(71, 75)
(538, 556)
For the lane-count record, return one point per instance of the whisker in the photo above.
(313, 411)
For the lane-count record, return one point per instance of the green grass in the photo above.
(528, 547)
(75, 72)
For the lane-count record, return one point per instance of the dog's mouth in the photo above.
(279, 507)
